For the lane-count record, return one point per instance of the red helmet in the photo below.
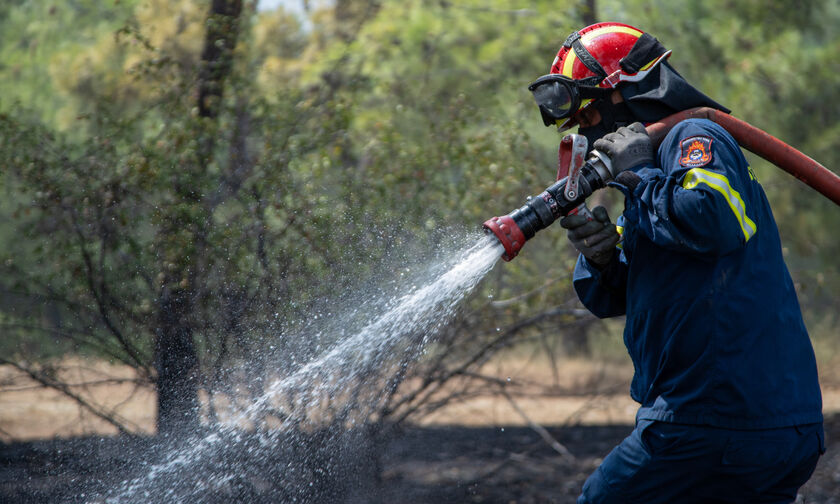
(604, 55)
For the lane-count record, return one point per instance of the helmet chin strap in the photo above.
(613, 116)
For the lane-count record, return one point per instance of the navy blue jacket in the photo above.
(713, 327)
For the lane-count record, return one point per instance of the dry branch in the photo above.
(123, 425)
(539, 429)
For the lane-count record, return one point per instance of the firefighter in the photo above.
(725, 374)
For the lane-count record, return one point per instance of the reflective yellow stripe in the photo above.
(646, 67)
(586, 37)
(620, 231)
(719, 183)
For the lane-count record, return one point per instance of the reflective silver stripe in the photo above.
(719, 183)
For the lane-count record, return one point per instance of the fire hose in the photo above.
(568, 194)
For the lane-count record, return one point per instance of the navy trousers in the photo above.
(662, 462)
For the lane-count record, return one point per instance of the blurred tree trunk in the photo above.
(590, 12)
(176, 358)
(177, 365)
(216, 63)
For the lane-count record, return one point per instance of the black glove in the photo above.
(595, 239)
(627, 148)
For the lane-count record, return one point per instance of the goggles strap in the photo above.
(594, 92)
(586, 58)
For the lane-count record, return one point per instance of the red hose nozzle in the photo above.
(508, 233)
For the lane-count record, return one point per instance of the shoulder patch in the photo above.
(695, 151)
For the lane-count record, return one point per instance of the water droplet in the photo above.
(324, 362)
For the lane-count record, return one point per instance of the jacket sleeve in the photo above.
(603, 292)
(697, 200)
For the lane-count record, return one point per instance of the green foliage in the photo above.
(35, 38)
(341, 139)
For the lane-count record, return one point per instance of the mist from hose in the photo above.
(395, 333)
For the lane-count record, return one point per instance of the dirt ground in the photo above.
(486, 450)
(29, 411)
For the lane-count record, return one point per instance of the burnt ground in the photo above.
(515, 466)
(420, 466)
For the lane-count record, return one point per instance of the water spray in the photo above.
(585, 176)
(273, 449)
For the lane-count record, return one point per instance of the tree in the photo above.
(201, 186)
(176, 359)
(146, 231)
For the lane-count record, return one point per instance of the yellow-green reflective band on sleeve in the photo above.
(620, 231)
(719, 183)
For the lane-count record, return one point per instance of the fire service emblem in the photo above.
(696, 151)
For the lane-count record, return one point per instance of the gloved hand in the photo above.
(627, 147)
(595, 239)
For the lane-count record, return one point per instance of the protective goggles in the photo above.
(559, 97)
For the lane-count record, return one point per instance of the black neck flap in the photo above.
(645, 50)
(663, 92)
